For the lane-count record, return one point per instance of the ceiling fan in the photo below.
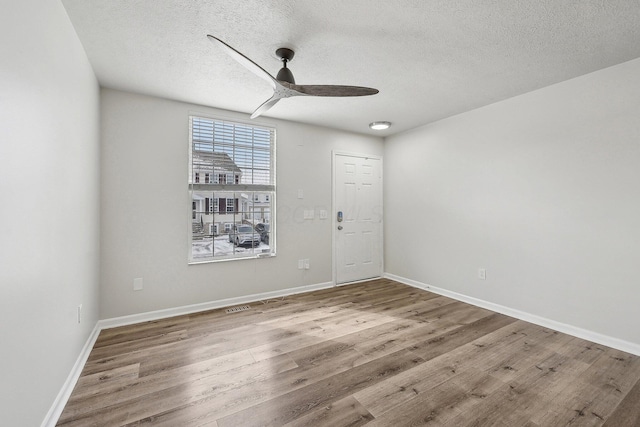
(284, 85)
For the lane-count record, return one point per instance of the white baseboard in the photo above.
(194, 308)
(56, 409)
(575, 331)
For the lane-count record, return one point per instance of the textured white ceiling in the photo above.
(429, 59)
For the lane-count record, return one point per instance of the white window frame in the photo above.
(233, 206)
(249, 167)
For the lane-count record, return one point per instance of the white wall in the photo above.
(49, 168)
(543, 190)
(144, 164)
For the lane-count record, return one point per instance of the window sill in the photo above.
(237, 258)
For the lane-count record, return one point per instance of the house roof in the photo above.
(208, 161)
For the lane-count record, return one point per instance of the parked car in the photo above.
(244, 235)
(264, 230)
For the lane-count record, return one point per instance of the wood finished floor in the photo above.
(377, 353)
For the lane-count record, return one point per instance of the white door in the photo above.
(357, 217)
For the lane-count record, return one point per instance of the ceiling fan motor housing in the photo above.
(285, 75)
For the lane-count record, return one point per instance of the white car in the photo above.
(244, 235)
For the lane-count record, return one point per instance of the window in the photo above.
(231, 205)
(238, 192)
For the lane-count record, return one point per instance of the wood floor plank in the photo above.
(627, 413)
(127, 334)
(344, 412)
(128, 389)
(277, 347)
(93, 384)
(372, 353)
(428, 407)
(406, 386)
(310, 332)
(597, 392)
(433, 347)
(288, 407)
(528, 394)
(134, 345)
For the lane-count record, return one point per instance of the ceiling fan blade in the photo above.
(248, 63)
(266, 106)
(333, 90)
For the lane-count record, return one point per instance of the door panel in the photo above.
(358, 238)
(351, 247)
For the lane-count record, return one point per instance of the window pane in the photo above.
(218, 145)
(244, 232)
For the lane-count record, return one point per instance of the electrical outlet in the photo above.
(137, 284)
(482, 274)
(323, 214)
(300, 194)
(306, 264)
(300, 264)
(79, 313)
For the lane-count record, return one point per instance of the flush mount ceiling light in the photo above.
(379, 125)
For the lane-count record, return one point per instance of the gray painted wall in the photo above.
(542, 190)
(146, 208)
(49, 216)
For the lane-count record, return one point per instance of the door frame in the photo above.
(334, 221)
